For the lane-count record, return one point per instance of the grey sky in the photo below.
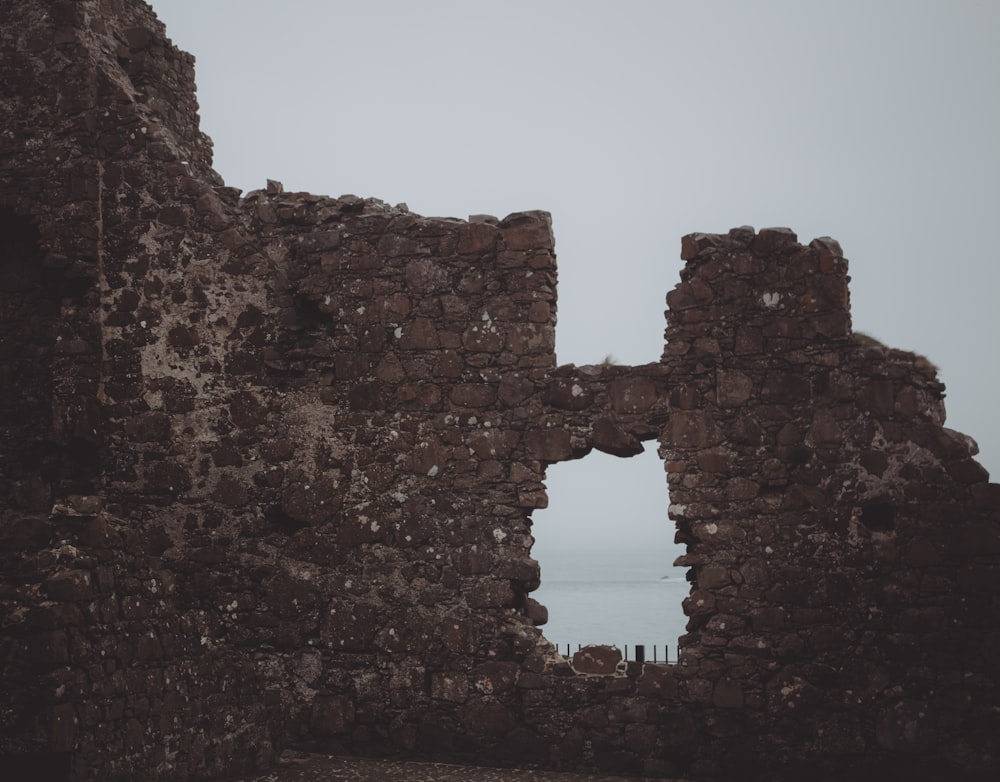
(876, 122)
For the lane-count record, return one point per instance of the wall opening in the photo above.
(878, 516)
(29, 461)
(606, 551)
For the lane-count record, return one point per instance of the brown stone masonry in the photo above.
(268, 465)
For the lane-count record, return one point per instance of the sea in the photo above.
(606, 550)
(620, 597)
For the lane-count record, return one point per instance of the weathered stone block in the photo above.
(312, 502)
(733, 388)
(486, 718)
(597, 659)
(786, 387)
(568, 394)
(69, 585)
(491, 593)
(527, 231)
(773, 240)
(609, 438)
(712, 577)
(231, 491)
(691, 429)
(484, 336)
(549, 445)
(332, 715)
(698, 244)
(421, 334)
(632, 395)
(687, 295)
(246, 410)
(495, 678)
(728, 694)
(825, 431)
(657, 681)
(473, 395)
(149, 427)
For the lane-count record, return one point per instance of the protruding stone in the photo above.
(690, 294)
(770, 240)
(527, 231)
(698, 244)
(743, 236)
(827, 246)
(609, 438)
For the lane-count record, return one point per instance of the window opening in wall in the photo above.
(606, 551)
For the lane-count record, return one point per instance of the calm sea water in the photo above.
(609, 596)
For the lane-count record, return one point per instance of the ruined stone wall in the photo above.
(268, 466)
(842, 542)
(104, 669)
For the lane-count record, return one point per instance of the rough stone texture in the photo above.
(268, 465)
(306, 767)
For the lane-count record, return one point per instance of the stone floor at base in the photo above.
(302, 767)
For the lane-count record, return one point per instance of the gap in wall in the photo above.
(29, 311)
(606, 551)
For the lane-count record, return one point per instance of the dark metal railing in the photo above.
(640, 653)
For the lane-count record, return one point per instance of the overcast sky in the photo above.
(876, 122)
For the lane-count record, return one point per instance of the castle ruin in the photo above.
(268, 464)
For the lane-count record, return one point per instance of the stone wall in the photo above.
(268, 465)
